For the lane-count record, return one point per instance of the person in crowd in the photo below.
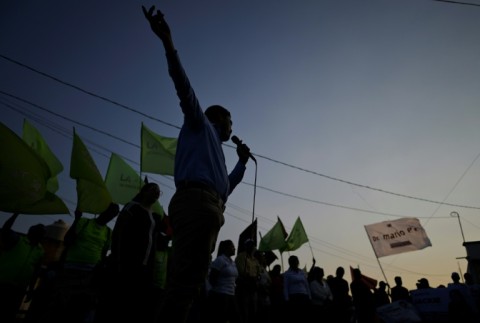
(132, 258)
(247, 281)
(75, 294)
(202, 183)
(160, 267)
(466, 296)
(276, 293)
(474, 289)
(363, 299)
(321, 295)
(223, 273)
(53, 246)
(264, 286)
(455, 280)
(458, 308)
(21, 257)
(399, 292)
(381, 294)
(423, 283)
(296, 291)
(342, 301)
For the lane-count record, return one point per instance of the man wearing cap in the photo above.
(423, 283)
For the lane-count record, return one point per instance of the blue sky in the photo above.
(357, 111)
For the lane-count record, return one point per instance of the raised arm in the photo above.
(7, 237)
(71, 235)
(160, 27)
(9, 223)
(188, 100)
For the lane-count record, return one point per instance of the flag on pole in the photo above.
(398, 236)
(157, 153)
(92, 193)
(49, 204)
(24, 175)
(275, 238)
(123, 183)
(296, 238)
(250, 233)
(35, 140)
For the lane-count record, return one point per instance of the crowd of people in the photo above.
(239, 287)
(154, 268)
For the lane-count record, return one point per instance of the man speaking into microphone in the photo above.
(202, 184)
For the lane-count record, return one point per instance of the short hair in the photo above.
(340, 271)
(214, 112)
(148, 186)
(143, 189)
(293, 260)
(223, 246)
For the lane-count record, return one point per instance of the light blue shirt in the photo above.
(295, 282)
(228, 274)
(199, 156)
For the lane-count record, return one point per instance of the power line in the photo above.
(459, 2)
(257, 155)
(336, 249)
(249, 184)
(87, 92)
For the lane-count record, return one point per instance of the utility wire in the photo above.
(336, 249)
(21, 111)
(257, 155)
(459, 2)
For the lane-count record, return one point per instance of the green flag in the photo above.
(274, 239)
(50, 204)
(296, 238)
(123, 182)
(24, 175)
(35, 140)
(157, 153)
(92, 194)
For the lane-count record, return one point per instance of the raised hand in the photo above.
(159, 25)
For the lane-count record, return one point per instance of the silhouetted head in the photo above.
(318, 273)
(423, 283)
(382, 285)
(221, 118)
(226, 247)
(276, 270)
(149, 194)
(36, 233)
(249, 245)
(293, 262)
(398, 280)
(340, 272)
(455, 277)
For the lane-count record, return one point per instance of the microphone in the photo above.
(238, 142)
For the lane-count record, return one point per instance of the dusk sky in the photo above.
(358, 112)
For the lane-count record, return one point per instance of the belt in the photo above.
(183, 185)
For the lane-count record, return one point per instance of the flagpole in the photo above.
(254, 189)
(311, 250)
(378, 261)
